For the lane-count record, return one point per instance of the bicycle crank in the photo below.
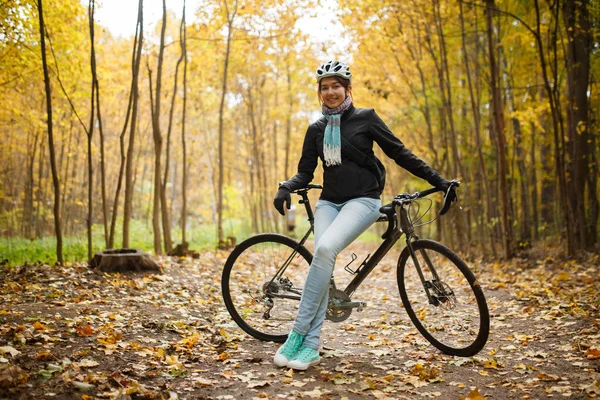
(340, 306)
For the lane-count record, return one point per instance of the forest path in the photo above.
(71, 333)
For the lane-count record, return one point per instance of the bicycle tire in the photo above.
(455, 334)
(247, 275)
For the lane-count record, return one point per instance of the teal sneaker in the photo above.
(289, 349)
(304, 359)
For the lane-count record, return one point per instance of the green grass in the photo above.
(17, 250)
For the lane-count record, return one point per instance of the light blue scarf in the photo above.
(332, 142)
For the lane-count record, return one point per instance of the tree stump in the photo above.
(227, 244)
(124, 260)
(182, 250)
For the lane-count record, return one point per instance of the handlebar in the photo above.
(388, 210)
(408, 197)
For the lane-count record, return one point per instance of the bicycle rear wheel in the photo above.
(262, 284)
(456, 320)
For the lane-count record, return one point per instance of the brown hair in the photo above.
(344, 82)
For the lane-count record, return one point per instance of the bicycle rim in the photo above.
(262, 304)
(457, 322)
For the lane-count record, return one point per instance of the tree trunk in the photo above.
(535, 219)
(183, 43)
(161, 207)
(157, 180)
(129, 167)
(477, 132)
(577, 24)
(90, 132)
(40, 193)
(230, 18)
(28, 209)
(498, 124)
(288, 126)
(166, 210)
(96, 90)
(525, 216)
(563, 206)
(55, 181)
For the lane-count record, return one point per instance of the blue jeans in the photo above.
(336, 226)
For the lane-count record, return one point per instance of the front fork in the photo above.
(430, 285)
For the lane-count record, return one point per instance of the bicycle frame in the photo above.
(396, 226)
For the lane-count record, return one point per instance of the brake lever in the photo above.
(455, 183)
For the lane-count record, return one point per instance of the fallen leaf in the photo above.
(592, 353)
(38, 326)
(473, 395)
(84, 330)
(548, 378)
(256, 384)
(86, 363)
(10, 350)
(204, 382)
(490, 364)
(593, 388)
(44, 355)
(83, 386)
(12, 375)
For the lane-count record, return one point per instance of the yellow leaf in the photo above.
(38, 326)
(160, 353)
(172, 359)
(474, 395)
(223, 356)
(490, 364)
(190, 341)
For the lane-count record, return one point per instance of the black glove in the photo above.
(443, 184)
(282, 196)
(449, 196)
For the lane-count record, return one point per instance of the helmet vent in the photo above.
(333, 68)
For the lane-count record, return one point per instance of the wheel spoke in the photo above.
(262, 305)
(454, 317)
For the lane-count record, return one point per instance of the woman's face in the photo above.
(332, 92)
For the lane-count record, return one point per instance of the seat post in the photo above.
(304, 194)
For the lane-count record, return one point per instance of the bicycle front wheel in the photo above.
(262, 284)
(454, 317)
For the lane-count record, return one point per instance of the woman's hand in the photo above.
(282, 196)
(449, 196)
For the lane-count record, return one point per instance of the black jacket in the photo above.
(360, 127)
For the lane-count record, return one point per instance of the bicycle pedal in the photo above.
(361, 305)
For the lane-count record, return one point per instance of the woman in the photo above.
(349, 202)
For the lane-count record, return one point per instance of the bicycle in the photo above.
(263, 276)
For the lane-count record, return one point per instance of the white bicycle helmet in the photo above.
(333, 68)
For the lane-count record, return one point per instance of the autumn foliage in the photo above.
(196, 121)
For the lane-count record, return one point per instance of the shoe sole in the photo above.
(302, 367)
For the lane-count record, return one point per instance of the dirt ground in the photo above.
(72, 333)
